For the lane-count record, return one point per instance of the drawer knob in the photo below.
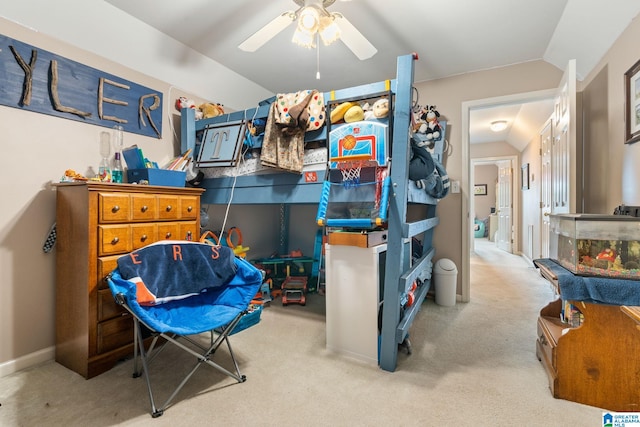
(169, 208)
(115, 209)
(144, 237)
(145, 208)
(115, 240)
(190, 208)
(168, 234)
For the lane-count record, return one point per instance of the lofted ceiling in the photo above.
(450, 38)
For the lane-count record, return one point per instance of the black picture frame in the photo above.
(632, 104)
(480, 190)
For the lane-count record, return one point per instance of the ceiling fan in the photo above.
(313, 21)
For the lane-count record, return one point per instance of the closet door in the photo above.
(565, 156)
(546, 138)
(504, 238)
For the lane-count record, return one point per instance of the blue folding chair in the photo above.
(178, 289)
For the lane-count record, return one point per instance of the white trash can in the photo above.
(445, 277)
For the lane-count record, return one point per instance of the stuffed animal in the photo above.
(184, 102)
(380, 108)
(338, 112)
(430, 126)
(210, 109)
(354, 114)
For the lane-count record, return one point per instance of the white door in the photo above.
(564, 156)
(561, 159)
(546, 136)
(504, 206)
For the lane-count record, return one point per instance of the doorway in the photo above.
(467, 175)
(492, 211)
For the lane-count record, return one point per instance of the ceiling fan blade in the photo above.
(353, 38)
(266, 33)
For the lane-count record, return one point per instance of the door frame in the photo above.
(465, 183)
(487, 161)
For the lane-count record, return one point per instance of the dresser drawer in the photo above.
(113, 207)
(107, 306)
(168, 207)
(114, 333)
(189, 207)
(105, 266)
(114, 239)
(169, 231)
(189, 230)
(546, 343)
(144, 207)
(143, 235)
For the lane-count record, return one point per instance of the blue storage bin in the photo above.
(163, 177)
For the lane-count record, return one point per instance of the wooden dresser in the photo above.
(97, 223)
(595, 363)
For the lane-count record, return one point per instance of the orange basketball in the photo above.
(349, 142)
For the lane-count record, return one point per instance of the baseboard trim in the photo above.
(27, 361)
(526, 258)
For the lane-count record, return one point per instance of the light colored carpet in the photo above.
(473, 364)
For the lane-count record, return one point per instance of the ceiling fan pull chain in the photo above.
(317, 56)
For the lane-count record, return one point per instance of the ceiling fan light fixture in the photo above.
(329, 30)
(304, 39)
(309, 19)
(313, 22)
(498, 125)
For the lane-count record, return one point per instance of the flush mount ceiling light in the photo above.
(498, 125)
(313, 20)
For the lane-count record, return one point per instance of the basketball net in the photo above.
(350, 170)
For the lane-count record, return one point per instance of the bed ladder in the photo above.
(397, 316)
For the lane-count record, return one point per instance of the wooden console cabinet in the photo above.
(595, 363)
(96, 223)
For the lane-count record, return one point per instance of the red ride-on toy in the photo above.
(293, 290)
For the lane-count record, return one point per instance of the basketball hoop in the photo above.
(350, 168)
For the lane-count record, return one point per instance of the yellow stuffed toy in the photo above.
(337, 114)
(210, 109)
(355, 113)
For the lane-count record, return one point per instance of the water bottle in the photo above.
(116, 173)
(104, 170)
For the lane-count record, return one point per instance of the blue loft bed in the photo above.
(274, 187)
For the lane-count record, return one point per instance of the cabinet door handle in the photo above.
(115, 240)
(168, 235)
(145, 208)
(115, 209)
(169, 208)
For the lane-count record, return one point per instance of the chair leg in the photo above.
(145, 368)
(146, 356)
(233, 358)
